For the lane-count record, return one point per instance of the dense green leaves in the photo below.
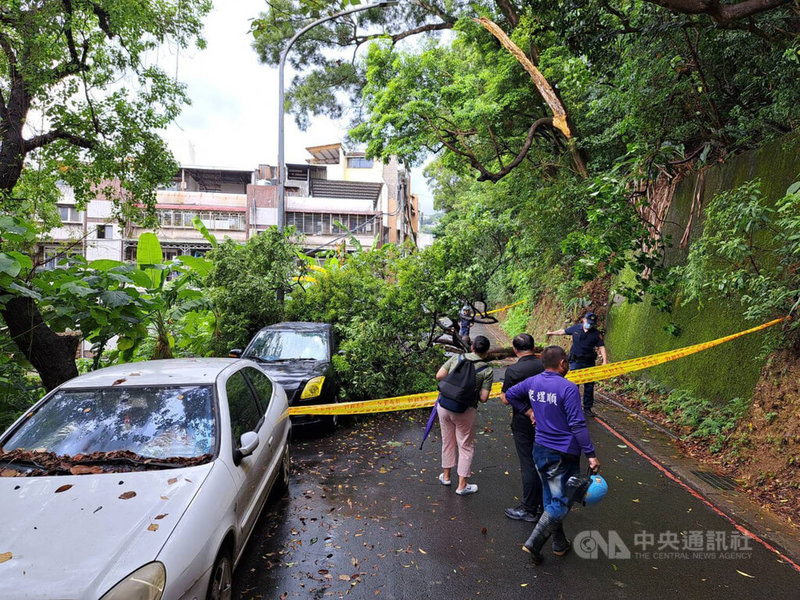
(244, 283)
(749, 249)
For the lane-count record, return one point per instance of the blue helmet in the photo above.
(598, 488)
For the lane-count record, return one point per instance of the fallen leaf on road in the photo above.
(127, 495)
(153, 527)
(63, 488)
(422, 551)
(344, 577)
(5, 556)
(745, 574)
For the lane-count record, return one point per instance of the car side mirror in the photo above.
(235, 353)
(248, 444)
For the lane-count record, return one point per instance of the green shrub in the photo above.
(19, 389)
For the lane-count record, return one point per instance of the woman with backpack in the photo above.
(464, 380)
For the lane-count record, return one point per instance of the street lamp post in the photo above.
(281, 163)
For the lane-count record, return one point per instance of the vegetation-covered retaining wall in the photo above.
(731, 370)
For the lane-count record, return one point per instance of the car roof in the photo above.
(196, 371)
(297, 326)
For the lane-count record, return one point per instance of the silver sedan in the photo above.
(140, 481)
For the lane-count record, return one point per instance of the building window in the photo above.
(104, 232)
(359, 162)
(69, 214)
(329, 224)
(57, 256)
(229, 221)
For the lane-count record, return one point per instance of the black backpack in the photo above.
(457, 390)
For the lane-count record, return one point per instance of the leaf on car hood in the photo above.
(85, 470)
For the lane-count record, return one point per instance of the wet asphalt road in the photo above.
(366, 517)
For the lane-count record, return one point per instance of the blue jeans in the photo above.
(555, 468)
(588, 388)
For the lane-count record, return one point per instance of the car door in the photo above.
(246, 414)
(274, 427)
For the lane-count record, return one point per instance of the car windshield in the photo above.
(276, 345)
(159, 422)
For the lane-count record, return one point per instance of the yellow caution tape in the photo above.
(497, 310)
(427, 399)
(637, 364)
(424, 400)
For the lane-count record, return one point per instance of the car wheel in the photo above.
(285, 472)
(332, 423)
(220, 588)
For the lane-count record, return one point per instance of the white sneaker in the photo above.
(442, 480)
(470, 488)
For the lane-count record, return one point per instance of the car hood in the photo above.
(291, 374)
(71, 537)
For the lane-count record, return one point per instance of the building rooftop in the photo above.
(356, 190)
(327, 154)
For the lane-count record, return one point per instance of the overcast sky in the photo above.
(232, 121)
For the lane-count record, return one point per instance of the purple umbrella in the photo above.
(429, 426)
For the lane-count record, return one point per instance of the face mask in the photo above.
(587, 326)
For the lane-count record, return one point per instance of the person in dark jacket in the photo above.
(554, 404)
(526, 366)
(587, 341)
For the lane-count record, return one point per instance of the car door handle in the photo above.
(271, 438)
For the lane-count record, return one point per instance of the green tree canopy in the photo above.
(81, 105)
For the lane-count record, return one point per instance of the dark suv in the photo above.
(298, 356)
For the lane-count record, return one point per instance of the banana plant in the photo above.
(172, 288)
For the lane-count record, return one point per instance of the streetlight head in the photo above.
(387, 2)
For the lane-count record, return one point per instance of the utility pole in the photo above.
(282, 100)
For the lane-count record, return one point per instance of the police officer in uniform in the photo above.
(587, 342)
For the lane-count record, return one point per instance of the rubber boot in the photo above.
(561, 544)
(544, 527)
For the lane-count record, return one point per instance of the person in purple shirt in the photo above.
(554, 405)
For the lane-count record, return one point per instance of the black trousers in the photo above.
(588, 388)
(523, 431)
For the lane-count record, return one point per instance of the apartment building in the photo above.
(399, 207)
(334, 195)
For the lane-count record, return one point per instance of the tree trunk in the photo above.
(52, 355)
